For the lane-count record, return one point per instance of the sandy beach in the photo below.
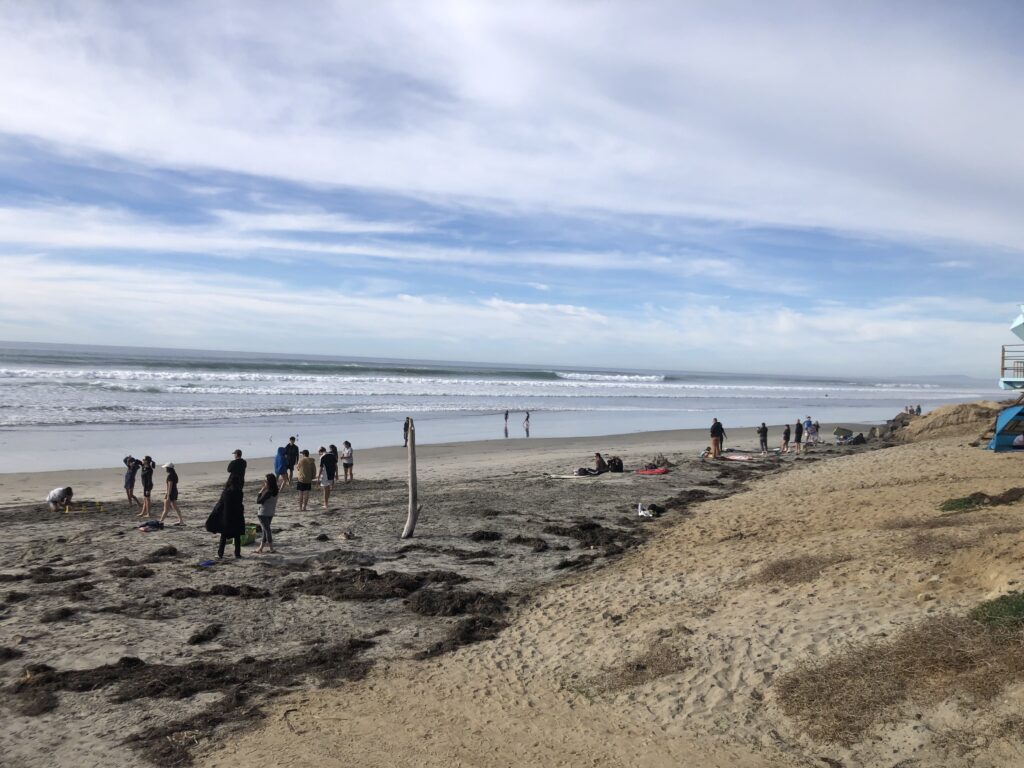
(531, 621)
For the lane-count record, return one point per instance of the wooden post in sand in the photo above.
(414, 508)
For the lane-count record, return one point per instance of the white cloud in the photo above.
(50, 299)
(869, 118)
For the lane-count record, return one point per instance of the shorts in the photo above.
(173, 495)
(798, 440)
(327, 482)
(130, 486)
(303, 486)
(146, 492)
(348, 464)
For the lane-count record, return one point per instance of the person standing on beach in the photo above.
(405, 433)
(133, 465)
(230, 519)
(147, 486)
(798, 436)
(237, 465)
(267, 501)
(506, 419)
(281, 465)
(292, 453)
(171, 495)
(347, 461)
(305, 471)
(328, 471)
(785, 439)
(762, 435)
(717, 435)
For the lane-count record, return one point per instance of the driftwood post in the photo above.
(414, 508)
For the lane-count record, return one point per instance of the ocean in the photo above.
(70, 406)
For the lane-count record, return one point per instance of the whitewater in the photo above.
(101, 401)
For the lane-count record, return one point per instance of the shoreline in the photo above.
(435, 461)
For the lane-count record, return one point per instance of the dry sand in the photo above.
(667, 654)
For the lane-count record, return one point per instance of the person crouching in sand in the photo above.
(59, 499)
(171, 494)
(267, 501)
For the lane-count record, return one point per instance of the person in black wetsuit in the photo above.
(291, 452)
(231, 518)
(762, 436)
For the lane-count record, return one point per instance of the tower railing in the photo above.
(1012, 365)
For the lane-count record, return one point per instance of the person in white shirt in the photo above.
(346, 460)
(59, 498)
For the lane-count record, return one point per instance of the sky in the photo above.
(804, 187)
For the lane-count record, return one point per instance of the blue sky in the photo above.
(778, 187)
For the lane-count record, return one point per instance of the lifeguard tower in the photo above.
(1011, 371)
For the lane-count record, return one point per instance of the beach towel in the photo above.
(659, 471)
(740, 457)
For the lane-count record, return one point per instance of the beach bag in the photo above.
(614, 464)
(249, 536)
(215, 522)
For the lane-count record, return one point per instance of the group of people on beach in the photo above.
(290, 464)
(806, 432)
(145, 468)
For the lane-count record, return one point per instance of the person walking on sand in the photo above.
(133, 466)
(717, 435)
(292, 453)
(171, 495)
(267, 501)
(228, 517)
(785, 439)
(305, 471)
(347, 461)
(147, 486)
(798, 436)
(762, 436)
(328, 471)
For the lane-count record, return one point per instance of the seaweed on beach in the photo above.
(455, 602)
(132, 679)
(570, 564)
(7, 654)
(980, 499)
(591, 534)
(480, 536)
(16, 597)
(133, 572)
(165, 552)
(57, 614)
(150, 610)
(535, 543)
(456, 552)
(685, 498)
(470, 630)
(77, 590)
(243, 591)
(45, 574)
(367, 584)
(206, 634)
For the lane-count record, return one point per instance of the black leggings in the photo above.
(265, 525)
(224, 540)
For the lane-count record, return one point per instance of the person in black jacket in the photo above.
(762, 436)
(237, 465)
(230, 521)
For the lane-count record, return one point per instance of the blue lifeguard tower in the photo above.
(1009, 430)
(1011, 371)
